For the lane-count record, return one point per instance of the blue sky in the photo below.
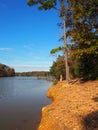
(27, 36)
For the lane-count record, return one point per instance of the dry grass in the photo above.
(74, 107)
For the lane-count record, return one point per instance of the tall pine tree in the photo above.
(82, 28)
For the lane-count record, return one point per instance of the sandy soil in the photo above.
(74, 107)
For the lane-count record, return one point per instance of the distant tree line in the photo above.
(6, 71)
(34, 73)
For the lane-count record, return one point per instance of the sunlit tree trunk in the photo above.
(63, 15)
(66, 51)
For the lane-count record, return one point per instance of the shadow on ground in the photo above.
(91, 121)
(95, 99)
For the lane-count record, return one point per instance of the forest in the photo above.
(6, 71)
(33, 73)
(79, 21)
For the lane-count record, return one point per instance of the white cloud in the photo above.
(29, 46)
(5, 49)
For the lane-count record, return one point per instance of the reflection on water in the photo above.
(21, 100)
(5, 87)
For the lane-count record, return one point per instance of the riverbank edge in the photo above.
(74, 106)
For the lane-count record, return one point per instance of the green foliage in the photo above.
(58, 68)
(74, 69)
(82, 28)
(85, 67)
(85, 26)
(43, 4)
(85, 35)
(89, 67)
(56, 49)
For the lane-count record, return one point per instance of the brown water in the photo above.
(21, 101)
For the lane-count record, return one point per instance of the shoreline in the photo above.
(74, 107)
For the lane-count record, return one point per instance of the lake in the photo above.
(21, 101)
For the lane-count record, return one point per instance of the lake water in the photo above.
(21, 101)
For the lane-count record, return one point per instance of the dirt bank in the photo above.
(74, 107)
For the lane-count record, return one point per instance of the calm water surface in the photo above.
(21, 100)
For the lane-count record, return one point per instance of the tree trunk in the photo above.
(66, 52)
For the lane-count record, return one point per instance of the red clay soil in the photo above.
(74, 107)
